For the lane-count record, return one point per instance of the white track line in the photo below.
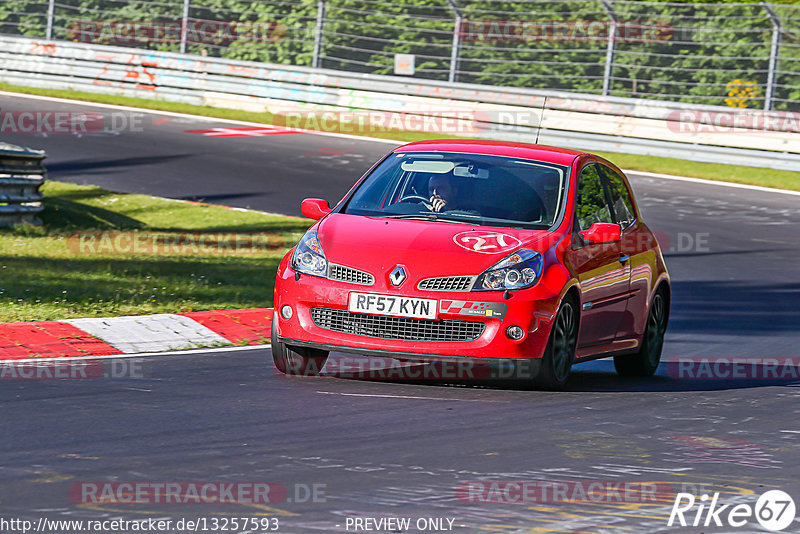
(369, 139)
(714, 182)
(200, 117)
(62, 359)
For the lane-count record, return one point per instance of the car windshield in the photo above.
(468, 188)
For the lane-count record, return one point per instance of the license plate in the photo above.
(394, 305)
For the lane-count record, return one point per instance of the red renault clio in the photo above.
(479, 251)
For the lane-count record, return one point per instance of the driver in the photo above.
(444, 192)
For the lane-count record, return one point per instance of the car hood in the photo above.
(425, 248)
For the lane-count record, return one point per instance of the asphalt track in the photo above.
(398, 449)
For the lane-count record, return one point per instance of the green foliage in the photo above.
(23, 17)
(705, 51)
(284, 31)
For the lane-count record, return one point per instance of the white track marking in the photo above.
(197, 117)
(246, 210)
(713, 182)
(150, 333)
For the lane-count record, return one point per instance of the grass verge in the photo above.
(48, 273)
(710, 171)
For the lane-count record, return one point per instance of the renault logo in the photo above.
(397, 276)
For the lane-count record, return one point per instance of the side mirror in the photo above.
(315, 208)
(601, 233)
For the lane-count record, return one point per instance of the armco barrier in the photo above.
(21, 176)
(685, 131)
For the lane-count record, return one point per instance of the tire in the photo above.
(296, 361)
(560, 351)
(645, 362)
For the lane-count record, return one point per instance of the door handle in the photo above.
(624, 258)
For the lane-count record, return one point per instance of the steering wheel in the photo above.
(420, 198)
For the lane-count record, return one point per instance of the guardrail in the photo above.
(21, 176)
(685, 131)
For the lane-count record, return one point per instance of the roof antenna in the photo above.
(541, 120)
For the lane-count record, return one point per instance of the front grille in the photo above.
(349, 275)
(402, 328)
(447, 283)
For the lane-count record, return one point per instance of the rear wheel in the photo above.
(560, 351)
(296, 361)
(645, 362)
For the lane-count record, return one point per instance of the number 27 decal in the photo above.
(486, 242)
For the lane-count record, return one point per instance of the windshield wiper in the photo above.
(422, 216)
(427, 217)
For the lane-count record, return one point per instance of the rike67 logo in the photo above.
(486, 242)
(774, 510)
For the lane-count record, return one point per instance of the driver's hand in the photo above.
(437, 203)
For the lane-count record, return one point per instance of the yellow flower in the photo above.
(742, 92)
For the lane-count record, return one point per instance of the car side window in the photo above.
(592, 206)
(620, 197)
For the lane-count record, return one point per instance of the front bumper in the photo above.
(440, 367)
(532, 310)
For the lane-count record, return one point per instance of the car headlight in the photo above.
(308, 257)
(518, 271)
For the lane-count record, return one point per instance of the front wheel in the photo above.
(296, 361)
(645, 362)
(560, 351)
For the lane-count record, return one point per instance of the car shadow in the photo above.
(61, 169)
(731, 307)
(600, 376)
(595, 377)
(698, 308)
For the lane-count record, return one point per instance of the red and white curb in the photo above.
(165, 332)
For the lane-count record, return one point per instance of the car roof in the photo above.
(560, 156)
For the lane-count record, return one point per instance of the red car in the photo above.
(479, 251)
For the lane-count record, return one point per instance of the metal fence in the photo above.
(734, 54)
(21, 176)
